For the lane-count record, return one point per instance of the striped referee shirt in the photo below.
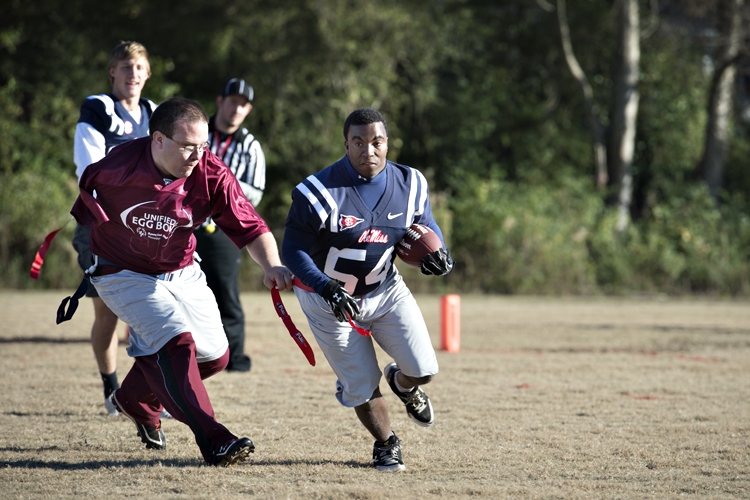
(241, 152)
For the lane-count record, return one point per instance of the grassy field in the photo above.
(548, 398)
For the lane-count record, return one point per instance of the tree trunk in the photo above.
(625, 111)
(597, 131)
(721, 96)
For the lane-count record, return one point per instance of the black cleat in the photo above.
(418, 405)
(233, 452)
(152, 435)
(386, 455)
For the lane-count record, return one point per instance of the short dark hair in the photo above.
(125, 51)
(173, 110)
(363, 116)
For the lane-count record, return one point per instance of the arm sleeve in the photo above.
(253, 179)
(86, 209)
(299, 236)
(302, 265)
(425, 215)
(88, 147)
(234, 215)
(433, 225)
(151, 105)
(253, 194)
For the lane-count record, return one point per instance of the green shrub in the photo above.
(532, 239)
(561, 240)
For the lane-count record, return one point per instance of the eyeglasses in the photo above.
(189, 149)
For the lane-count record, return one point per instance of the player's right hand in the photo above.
(342, 304)
(437, 264)
(278, 277)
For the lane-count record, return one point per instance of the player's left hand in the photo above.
(341, 303)
(438, 263)
(278, 277)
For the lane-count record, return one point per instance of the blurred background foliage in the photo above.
(478, 97)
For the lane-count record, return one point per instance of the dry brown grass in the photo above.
(548, 398)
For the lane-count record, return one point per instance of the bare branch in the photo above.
(597, 134)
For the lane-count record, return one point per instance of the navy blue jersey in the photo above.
(107, 115)
(329, 222)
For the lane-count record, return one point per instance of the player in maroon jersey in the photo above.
(143, 202)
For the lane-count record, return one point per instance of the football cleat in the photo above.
(233, 452)
(418, 405)
(386, 455)
(152, 435)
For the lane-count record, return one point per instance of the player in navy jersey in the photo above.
(143, 203)
(220, 258)
(107, 120)
(339, 242)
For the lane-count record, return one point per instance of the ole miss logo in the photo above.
(348, 221)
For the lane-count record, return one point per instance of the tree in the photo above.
(625, 110)
(478, 97)
(617, 171)
(721, 97)
(592, 107)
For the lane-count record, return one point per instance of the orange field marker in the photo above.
(450, 323)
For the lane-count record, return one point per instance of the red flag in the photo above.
(39, 258)
(293, 331)
(358, 329)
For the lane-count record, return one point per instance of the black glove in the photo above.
(438, 263)
(340, 301)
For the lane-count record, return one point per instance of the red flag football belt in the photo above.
(296, 335)
(362, 331)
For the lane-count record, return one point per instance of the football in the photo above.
(419, 241)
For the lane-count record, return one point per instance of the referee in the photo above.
(220, 258)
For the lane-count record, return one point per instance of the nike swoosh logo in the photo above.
(393, 216)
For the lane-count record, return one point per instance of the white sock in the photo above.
(398, 386)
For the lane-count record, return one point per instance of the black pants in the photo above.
(220, 261)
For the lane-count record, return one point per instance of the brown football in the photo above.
(419, 241)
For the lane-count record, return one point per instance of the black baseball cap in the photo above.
(240, 87)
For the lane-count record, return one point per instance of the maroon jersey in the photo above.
(143, 225)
